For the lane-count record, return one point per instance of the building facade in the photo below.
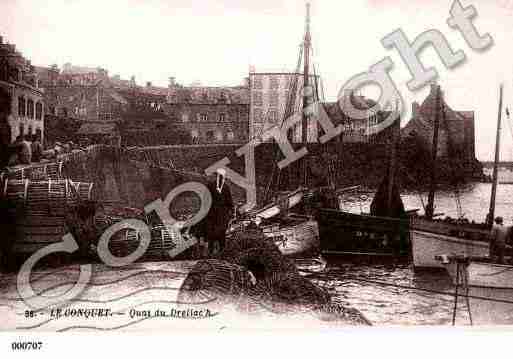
(210, 114)
(456, 131)
(22, 106)
(354, 128)
(81, 93)
(270, 94)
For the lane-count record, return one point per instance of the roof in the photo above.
(97, 128)
(209, 95)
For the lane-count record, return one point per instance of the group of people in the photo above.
(25, 150)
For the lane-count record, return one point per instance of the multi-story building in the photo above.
(81, 93)
(21, 100)
(210, 114)
(270, 94)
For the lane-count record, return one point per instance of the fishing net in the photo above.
(255, 278)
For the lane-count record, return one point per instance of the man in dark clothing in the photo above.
(37, 149)
(214, 226)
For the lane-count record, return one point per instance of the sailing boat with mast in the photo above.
(286, 218)
(486, 284)
(431, 238)
(383, 234)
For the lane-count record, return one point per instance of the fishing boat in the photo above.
(487, 288)
(382, 234)
(285, 217)
(431, 237)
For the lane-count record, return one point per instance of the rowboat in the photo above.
(294, 236)
(486, 286)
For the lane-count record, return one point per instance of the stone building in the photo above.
(22, 105)
(210, 114)
(356, 130)
(269, 95)
(456, 131)
(81, 93)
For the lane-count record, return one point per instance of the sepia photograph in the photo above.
(173, 166)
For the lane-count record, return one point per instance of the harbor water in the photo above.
(385, 294)
(395, 294)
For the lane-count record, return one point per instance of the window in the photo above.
(21, 106)
(274, 83)
(257, 83)
(257, 98)
(222, 117)
(230, 136)
(272, 116)
(185, 117)
(273, 99)
(4, 69)
(203, 117)
(210, 136)
(222, 97)
(30, 109)
(52, 110)
(257, 114)
(39, 111)
(194, 135)
(21, 130)
(219, 136)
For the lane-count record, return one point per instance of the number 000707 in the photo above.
(27, 345)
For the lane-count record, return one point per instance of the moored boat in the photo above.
(430, 237)
(487, 287)
(343, 233)
(427, 245)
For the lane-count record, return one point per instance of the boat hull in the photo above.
(348, 233)
(490, 291)
(426, 246)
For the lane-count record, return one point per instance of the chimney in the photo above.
(148, 84)
(414, 108)
(434, 87)
(172, 82)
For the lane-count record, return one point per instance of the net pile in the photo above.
(254, 277)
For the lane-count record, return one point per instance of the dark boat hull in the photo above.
(346, 233)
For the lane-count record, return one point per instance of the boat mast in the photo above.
(396, 134)
(430, 208)
(491, 213)
(306, 92)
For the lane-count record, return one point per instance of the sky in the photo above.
(214, 42)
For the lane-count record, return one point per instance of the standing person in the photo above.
(215, 224)
(25, 154)
(14, 150)
(37, 149)
(499, 235)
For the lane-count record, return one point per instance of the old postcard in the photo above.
(170, 165)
